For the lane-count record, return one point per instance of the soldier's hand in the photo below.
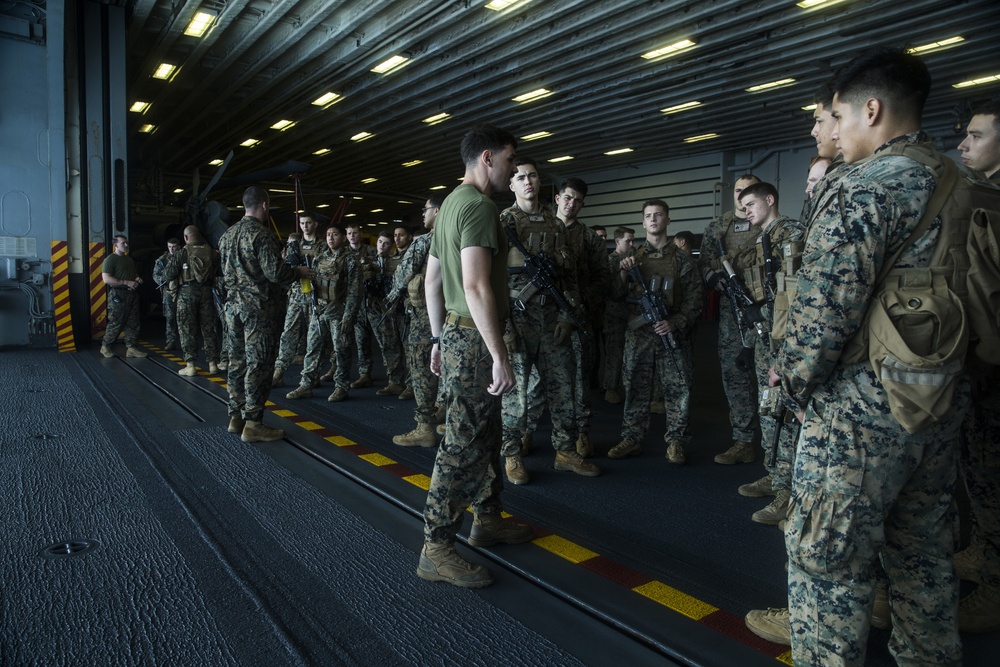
(715, 280)
(663, 327)
(304, 272)
(503, 377)
(436, 360)
(562, 333)
(627, 263)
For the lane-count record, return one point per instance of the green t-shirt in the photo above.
(469, 219)
(120, 267)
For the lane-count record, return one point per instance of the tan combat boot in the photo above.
(658, 408)
(440, 562)
(236, 424)
(213, 367)
(440, 428)
(406, 394)
(278, 378)
(439, 415)
(762, 487)
(775, 512)
(613, 397)
(189, 370)
(979, 611)
(300, 392)
(327, 376)
(489, 529)
(422, 436)
(223, 365)
(514, 468)
(584, 447)
(624, 448)
(969, 563)
(771, 624)
(741, 452)
(338, 395)
(390, 390)
(570, 461)
(135, 353)
(675, 453)
(106, 351)
(259, 432)
(363, 381)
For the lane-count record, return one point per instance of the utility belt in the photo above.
(460, 321)
(538, 297)
(119, 287)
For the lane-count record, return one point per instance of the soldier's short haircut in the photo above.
(655, 202)
(889, 74)
(747, 177)
(114, 239)
(405, 228)
(685, 236)
(436, 199)
(172, 240)
(485, 137)
(386, 234)
(575, 184)
(760, 190)
(991, 108)
(254, 196)
(307, 214)
(622, 231)
(518, 161)
(339, 227)
(599, 228)
(824, 95)
(355, 224)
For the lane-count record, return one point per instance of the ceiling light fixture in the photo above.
(147, 128)
(439, 187)
(391, 65)
(536, 94)
(361, 136)
(327, 99)
(139, 107)
(502, 5)
(216, 162)
(536, 135)
(977, 82)
(200, 24)
(701, 137)
(283, 125)
(165, 71)
(177, 191)
(322, 151)
(936, 46)
(770, 85)
(370, 179)
(669, 50)
(816, 4)
(618, 151)
(810, 107)
(413, 163)
(677, 108)
(322, 206)
(562, 158)
(439, 118)
(377, 210)
(250, 142)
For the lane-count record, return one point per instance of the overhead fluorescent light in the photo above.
(677, 108)
(562, 158)
(326, 99)
(165, 71)
(816, 4)
(439, 187)
(250, 142)
(377, 210)
(439, 118)
(413, 163)
(391, 65)
(532, 96)
(361, 136)
(322, 151)
(177, 191)
(770, 85)
(200, 24)
(283, 125)
(701, 137)
(810, 107)
(370, 179)
(139, 107)
(216, 162)
(500, 5)
(372, 224)
(618, 151)
(936, 46)
(147, 128)
(536, 135)
(350, 215)
(282, 191)
(322, 206)
(669, 50)
(977, 82)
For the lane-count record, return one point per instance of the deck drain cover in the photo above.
(46, 436)
(69, 548)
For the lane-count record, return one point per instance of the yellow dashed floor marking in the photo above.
(674, 599)
(340, 441)
(377, 459)
(421, 481)
(564, 548)
(310, 426)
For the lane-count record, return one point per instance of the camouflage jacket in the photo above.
(733, 231)
(338, 280)
(414, 263)
(682, 290)
(168, 287)
(593, 277)
(253, 271)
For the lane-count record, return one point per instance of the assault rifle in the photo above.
(654, 309)
(770, 272)
(391, 305)
(738, 302)
(543, 276)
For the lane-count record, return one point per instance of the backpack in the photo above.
(200, 264)
(917, 329)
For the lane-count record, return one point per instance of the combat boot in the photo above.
(236, 424)
(527, 443)
(440, 428)
(770, 624)
(612, 396)
(213, 367)
(658, 408)
(570, 461)
(135, 353)
(489, 529)
(278, 378)
(762, 487)
(406, 394)
(170, 346)
(338, 395)
(223, 365)
(390, 390)
(440, 415)
(980, 610)
(189, 370)
(775, 512)
(741, 452)
(327, 376)
(259, 432)
(440, 562)
(364, 381)
(625, 448)
(421, 436)
(675, 453)
(881, 611)
(584, 447)
(300, 392)
(969, 563)
(106, 351)
(514, 468)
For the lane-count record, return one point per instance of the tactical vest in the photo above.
(750, 261)
(539, 233)
(738, 233)
(393, 261)
(312, 248)
(199, 265)
(661, 263)
(331, 276)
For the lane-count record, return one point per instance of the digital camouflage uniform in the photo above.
(862, 487)
(364, 255)
(123, 302)
(195, 305)
(255, 278)
(646, 360)
(297, 313)
(534, 331)
(740, 386)
(615, 323)
(409, 279)
(168, 290)
(467, 464)
(338, 291)
(377, 280)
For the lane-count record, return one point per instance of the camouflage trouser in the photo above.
(536, 348)
(418, 358)
(324, 330)
(615, 322)
(123, 313)
(387, 337)
(296, 326)
(170, 315)
(862, 487)
(536, 401)
(467, 465)
(584, 353)
(363, 342)
(253, 344)
(647, 361)
(740, 386)
(781, 471)
(196, 310)
(980, 462)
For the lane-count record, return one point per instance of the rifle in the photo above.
(734, 290)
(391, 305)
(305, 284)
(219, 308)
(770, 274)
(654, 309)
(542, 274)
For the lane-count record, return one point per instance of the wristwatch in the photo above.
(435, 340)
